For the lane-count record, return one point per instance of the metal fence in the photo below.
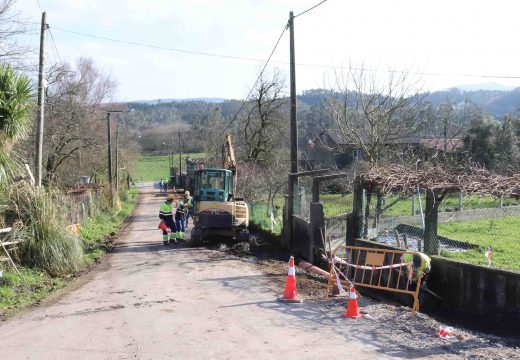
(266, 217)
(473, 228)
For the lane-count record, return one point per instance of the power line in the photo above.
(54, 44)
(309, 9)
(134, 43)
(195, 52)
(38, 2)
(257, 79)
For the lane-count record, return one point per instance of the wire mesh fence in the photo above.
(302, 199)
(473, 228)
(266, 217)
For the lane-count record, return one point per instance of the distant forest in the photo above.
(155, 125)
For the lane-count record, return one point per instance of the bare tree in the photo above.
(371, 113)
(75, 127)
(11, 27)
(263, 125)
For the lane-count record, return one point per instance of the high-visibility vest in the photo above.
(166, 209)
(415, 260)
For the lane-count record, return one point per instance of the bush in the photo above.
(40, 222)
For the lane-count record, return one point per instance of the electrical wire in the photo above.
(309, 9)
(54, 44)
(257, 79)
(134, 43)
(38, 2)
(195, 52)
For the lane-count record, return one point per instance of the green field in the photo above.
(502, 234)
(153, 168)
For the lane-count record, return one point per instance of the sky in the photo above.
(441, 43)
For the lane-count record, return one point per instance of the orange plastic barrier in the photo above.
(374, 268)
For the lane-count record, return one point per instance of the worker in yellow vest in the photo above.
(166, 215)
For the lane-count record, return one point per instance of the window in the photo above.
(357, 154)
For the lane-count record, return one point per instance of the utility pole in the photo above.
(180, 155)
(294, 128)
(109, 136)
(117, 160)
(41, 104)
(109, 139)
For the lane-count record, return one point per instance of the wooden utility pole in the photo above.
(117, 160)
(109, 155)
(294, 129)
(41, 104)
(180, 155)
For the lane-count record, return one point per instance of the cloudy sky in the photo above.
(448, 42)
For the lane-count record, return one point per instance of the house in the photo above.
(331, 149)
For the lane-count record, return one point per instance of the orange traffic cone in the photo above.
(352, 306)
(290, 294)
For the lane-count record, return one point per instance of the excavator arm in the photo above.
(228, 159)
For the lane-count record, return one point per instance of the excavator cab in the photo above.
(213, 185)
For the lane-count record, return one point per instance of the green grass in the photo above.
(18, 291)
(153, 168)
(95, 231)
(260, 215)
(502, 234)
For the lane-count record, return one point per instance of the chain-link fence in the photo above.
(474, 228)
(266, 217)
(303, 198)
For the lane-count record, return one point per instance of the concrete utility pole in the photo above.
(294, 128)
(41, 104)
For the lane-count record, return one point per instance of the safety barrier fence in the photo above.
(379, 269)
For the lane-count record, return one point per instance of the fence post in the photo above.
(431, 242)
(460, 201)
(413, 205)
(357, 211)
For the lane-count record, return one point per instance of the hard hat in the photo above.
(187, 193)
(169, 197)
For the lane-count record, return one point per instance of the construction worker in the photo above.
(180, 220)
(166, 215)
(417, 269)
(188, 203)
(161, 184)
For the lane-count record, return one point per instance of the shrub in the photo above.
(40, 223)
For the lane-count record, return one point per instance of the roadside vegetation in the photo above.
(56, 256)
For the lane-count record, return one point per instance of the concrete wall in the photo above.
(491, 294)
(476, 293)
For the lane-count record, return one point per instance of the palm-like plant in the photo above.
(15, 107)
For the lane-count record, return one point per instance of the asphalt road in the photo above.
(148, 301)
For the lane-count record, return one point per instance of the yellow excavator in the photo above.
(218, 212)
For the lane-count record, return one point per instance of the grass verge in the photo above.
(20, 291)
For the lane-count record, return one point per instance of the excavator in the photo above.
(218, 212)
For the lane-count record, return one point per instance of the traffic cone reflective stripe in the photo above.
(291, 294)
(352, 310)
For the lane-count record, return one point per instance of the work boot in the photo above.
(165, 243)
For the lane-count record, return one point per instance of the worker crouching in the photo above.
(180, 220)
(166, 215)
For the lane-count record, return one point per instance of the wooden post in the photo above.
(41, 105)
(431, 242)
